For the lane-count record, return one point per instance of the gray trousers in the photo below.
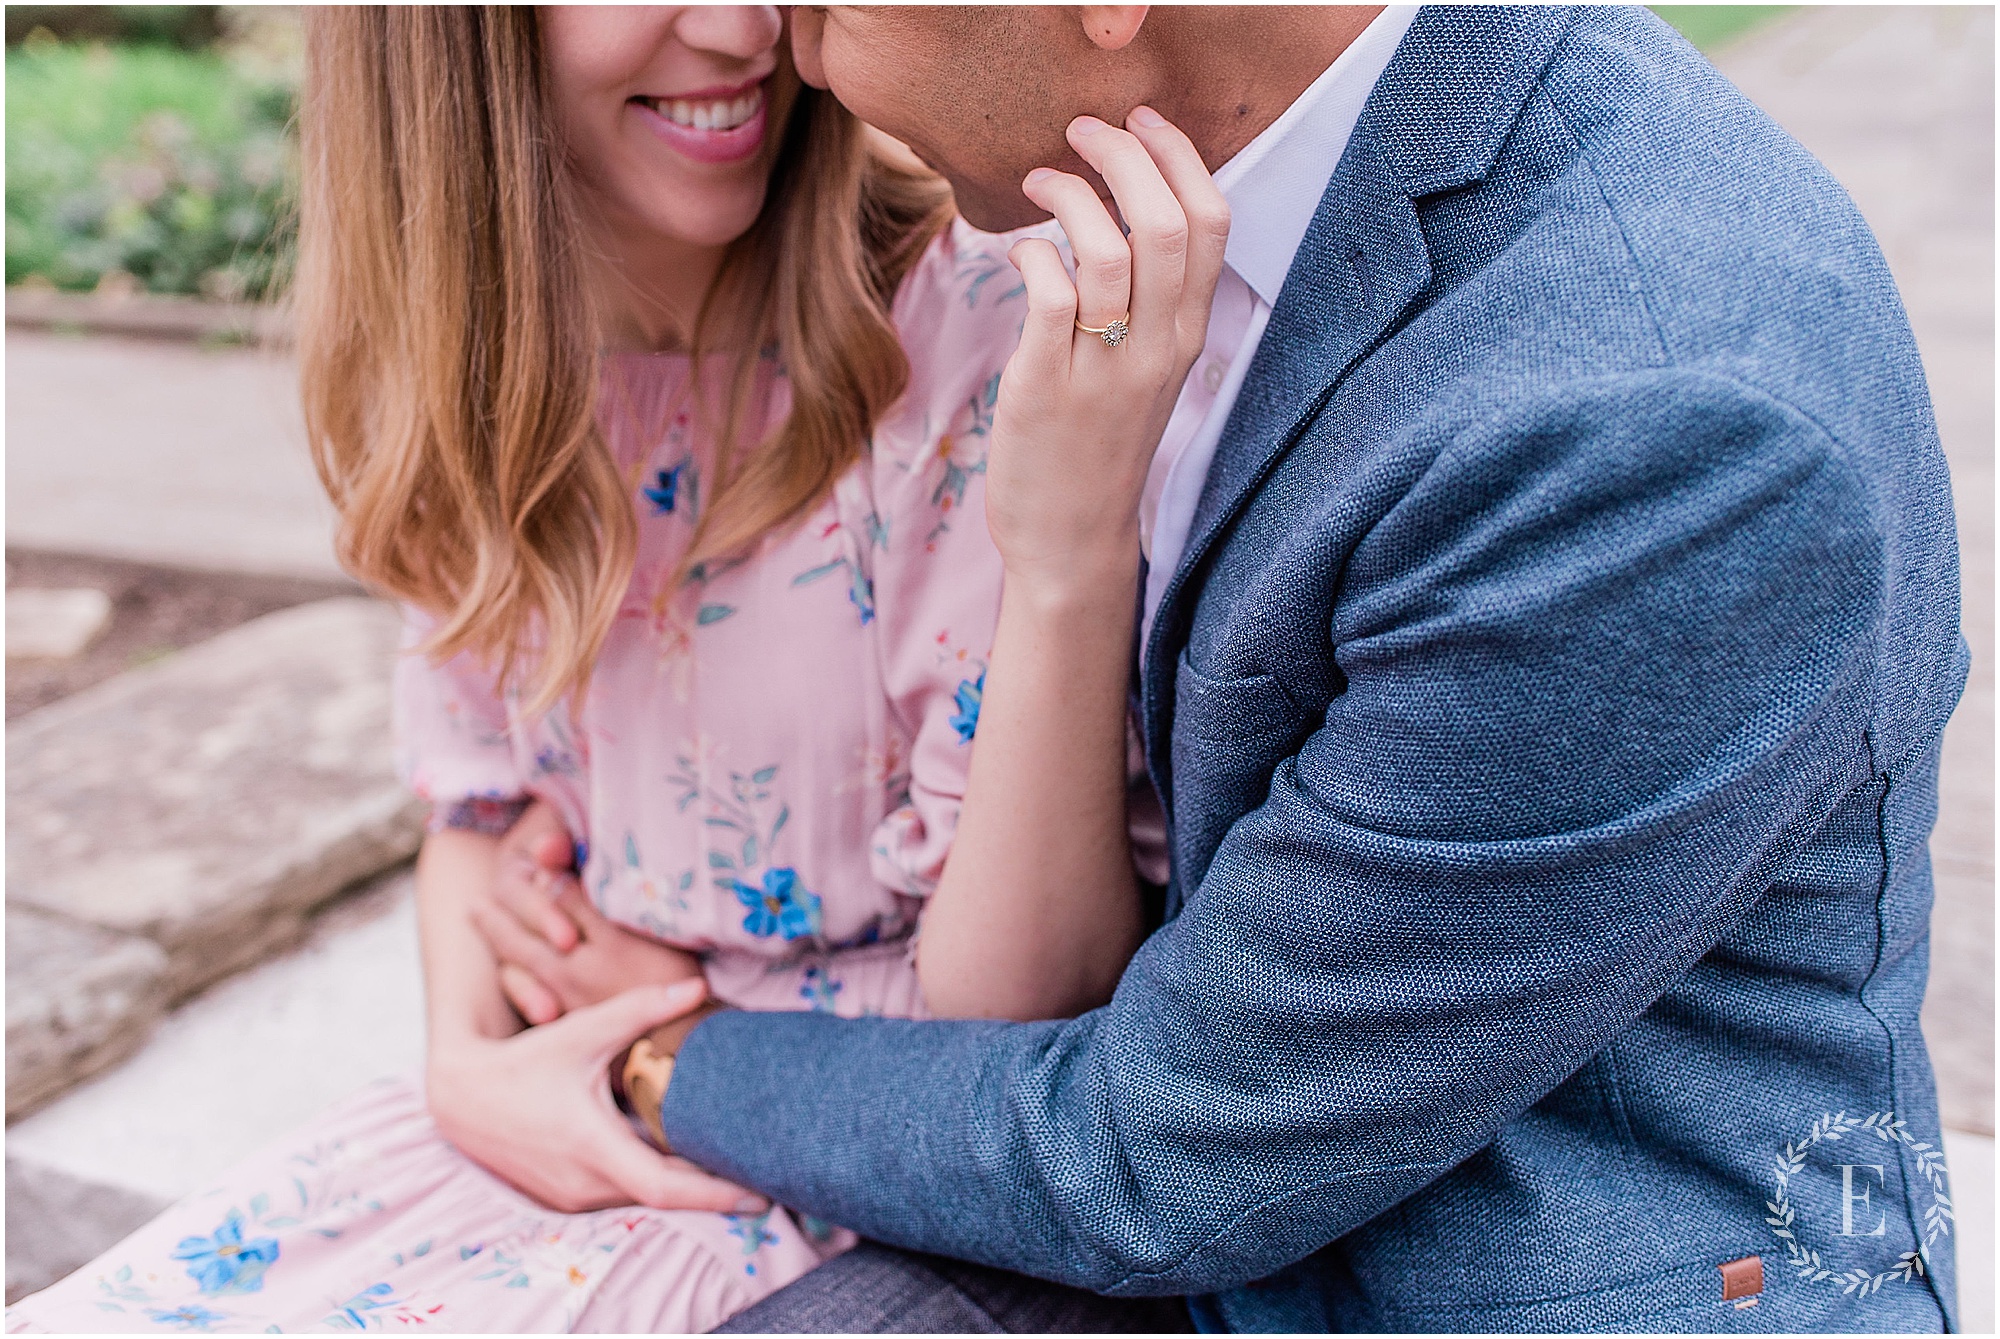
(880, 1290)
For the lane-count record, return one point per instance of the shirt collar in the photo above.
(1274, 183)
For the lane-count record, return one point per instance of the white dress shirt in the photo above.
(1273, 187)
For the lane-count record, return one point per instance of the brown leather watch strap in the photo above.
(639, 1078)
(646, 1074)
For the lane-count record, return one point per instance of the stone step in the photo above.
(207, 804)
(79, 999)
(54, 624)
(234, 1068)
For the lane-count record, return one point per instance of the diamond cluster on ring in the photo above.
(1114, 334)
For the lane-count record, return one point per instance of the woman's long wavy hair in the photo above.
(449, 347)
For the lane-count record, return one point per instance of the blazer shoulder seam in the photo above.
(1587, 160)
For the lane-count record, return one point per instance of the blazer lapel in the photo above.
(1436, 120)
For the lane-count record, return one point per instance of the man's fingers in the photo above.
(531, 999)
(536, 823)
(575, 904)
(1202, 204)
(522, 888)
(603, 1030)
(1050, 331)
(553, 850)
(511, 943)
(1103, 260)
(1158, 240)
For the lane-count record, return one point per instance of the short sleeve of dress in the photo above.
(935, 571)
(451, 733)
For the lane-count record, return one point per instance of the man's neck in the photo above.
(1232, 72)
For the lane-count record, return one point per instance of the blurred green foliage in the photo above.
(190, 27)
(1712, 26)
(146, 149)
(147, 166)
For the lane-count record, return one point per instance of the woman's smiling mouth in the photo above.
(709, 126)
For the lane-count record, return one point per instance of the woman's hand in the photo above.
(1078, 420)
(536, 1110)
(556, 951)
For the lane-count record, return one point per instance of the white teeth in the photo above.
(710, 116)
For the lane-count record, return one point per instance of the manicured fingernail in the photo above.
(1039, 175)
(1086, 125)
(1148, 118)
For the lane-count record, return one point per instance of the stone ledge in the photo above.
(211, 801)
(79, 999)
(245, 1063)
(149, 316)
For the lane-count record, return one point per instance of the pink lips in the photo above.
(708, 146)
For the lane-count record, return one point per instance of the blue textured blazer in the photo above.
(1547, 709)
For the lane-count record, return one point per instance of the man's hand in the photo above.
(536, 1110)
(556, 952)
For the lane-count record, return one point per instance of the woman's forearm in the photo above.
(462, 995)
(1038, 910)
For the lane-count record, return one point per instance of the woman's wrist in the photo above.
(1078, 585)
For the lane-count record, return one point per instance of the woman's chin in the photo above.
(696, 222)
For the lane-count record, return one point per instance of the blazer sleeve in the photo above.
(1607, 659)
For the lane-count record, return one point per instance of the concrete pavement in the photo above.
(1898, 103)
(162, 452)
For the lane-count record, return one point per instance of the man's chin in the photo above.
(996, 213)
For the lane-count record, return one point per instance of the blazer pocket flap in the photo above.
(1221, 711)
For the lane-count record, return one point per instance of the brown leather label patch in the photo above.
(1742, 1278)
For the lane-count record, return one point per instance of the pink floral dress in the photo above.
(767, 769)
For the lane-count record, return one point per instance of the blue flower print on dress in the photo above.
(782, 906)
(224, 1262)
(818, 990)
(966, 719)
(753, 1234)
(353, 1313)
(860, 586)
(861, 592)
(666, 490)
(187, 1316)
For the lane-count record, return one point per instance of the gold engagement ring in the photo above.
(1113, 335)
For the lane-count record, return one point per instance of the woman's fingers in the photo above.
(603, 1031)
(1202, 206)
(651, 1178)
(1050, 330)
(1158, 229)
(1103, 260)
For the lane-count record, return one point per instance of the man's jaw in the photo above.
(990, 215)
